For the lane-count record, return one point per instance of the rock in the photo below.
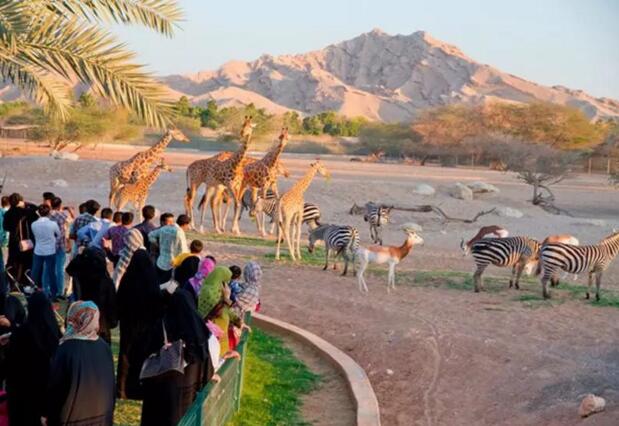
(423, 189)
(591, 404)
(59, 183)
(590, 222)
(460, 191)
(482, 188)
(71, 156)
(412, 225)
(389, 372)
(503, 211)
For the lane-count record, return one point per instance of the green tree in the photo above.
(183, 107)
(209, 115)
(45, 45)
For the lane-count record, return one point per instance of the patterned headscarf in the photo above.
(212, 290)
(249, 296)
(82, 322)
(206, 267)
(133, 241)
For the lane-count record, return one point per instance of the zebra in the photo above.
(517, 252)
(342, 239)
(593, 259)
(376, 215)
(263, 208)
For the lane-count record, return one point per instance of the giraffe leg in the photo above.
(298, 235)
(235, 219)
(189, 197)
(288, 236)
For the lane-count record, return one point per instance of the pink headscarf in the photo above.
(205, 268)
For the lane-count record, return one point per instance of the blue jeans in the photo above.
(45, 265)
(61, 256)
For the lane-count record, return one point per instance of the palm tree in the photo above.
(47, 46)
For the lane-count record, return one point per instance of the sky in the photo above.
(568, 42)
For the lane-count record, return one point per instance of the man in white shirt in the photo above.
(46, 233)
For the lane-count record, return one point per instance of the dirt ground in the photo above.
(455, 357)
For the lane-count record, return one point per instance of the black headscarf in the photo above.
(139, 297)
(42, 324)
(89, 268)
(182, 321)
(187, 269)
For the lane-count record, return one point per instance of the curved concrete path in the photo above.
(368, 413)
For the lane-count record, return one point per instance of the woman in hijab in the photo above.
(12, 316)
(167, 397)
(214, 304)
(249, 293)
(194, 284)
(139, 307)
(30, 352)
(81, 384)
(211, 292)
(132, 242)
(89, 269)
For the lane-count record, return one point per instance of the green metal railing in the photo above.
(218, 402)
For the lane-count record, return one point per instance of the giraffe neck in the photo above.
(270, 160)
(301, 186)
(160, 146)
(151, 177)
(237, 158)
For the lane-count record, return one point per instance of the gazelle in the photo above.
(495, 230)
(392, 255)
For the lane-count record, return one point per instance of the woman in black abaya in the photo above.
(139, 308)
(89, 270)
(167, 397)
(30, 351)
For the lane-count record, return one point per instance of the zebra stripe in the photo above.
(503, 252)
(376, 216)
(311, 212)
(593, 259)
(343, 240)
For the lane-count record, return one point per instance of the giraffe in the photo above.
(262, 175)
(290, 211)
(129, 171)
(137, 193)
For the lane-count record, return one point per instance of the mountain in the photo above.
(375, 75)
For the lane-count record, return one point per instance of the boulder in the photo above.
(59, 183)
(482, 188)
(423, 189)
(59, 155)
(591, 404)
(503, 211)
(460, 191)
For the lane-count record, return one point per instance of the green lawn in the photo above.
(274, 382)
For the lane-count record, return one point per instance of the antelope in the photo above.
(392, 255)
(497, 231)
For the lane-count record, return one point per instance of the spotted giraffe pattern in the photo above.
(137, 193)
(290, 211)
(131, 170)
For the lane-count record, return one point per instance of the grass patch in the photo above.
(274, 382)
(228, 239)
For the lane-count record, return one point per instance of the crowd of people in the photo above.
(179, 313)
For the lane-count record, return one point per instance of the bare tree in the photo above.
(537, 165)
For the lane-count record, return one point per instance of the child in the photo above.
(186, 264)
(235, 283)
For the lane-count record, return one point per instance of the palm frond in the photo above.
(41, 87)
(159, 15)
(92, 55)
(12, 17)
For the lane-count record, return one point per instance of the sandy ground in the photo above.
(457, 358)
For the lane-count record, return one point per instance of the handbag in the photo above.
(169, 358)
(25, 244)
